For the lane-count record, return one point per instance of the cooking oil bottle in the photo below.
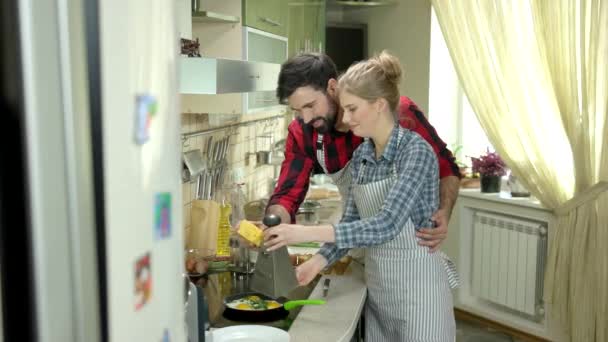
(223, 230)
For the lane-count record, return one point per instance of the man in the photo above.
(318, 141)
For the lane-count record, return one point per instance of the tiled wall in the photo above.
(243, 140)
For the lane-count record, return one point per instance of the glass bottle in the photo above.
(223, 230)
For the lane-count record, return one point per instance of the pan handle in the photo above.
(295, 303)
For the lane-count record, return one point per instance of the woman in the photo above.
(393, 193)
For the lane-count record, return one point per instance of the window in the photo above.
(449, 109)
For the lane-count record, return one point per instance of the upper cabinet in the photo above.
(267, 15)
(306, 26)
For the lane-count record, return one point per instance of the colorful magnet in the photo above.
(166, 337)
(162, 215)
(145, 109)
(143, 281)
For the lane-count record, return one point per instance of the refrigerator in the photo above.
(91, 245)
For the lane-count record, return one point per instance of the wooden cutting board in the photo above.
(205, 218)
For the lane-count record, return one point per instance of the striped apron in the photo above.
(341, 178)
(408, 288)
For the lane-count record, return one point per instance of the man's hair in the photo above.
(306, 69)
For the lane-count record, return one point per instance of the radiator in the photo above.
(509, 262)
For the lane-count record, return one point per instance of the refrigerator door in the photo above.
(90, 196)
(48, 249)
(140, 125)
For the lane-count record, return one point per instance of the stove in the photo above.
(217, 286)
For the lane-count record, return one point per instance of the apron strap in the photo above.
(321, 152)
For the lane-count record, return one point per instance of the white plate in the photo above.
(249, 333)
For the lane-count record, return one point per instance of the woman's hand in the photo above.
(286, 234)
(306, 272)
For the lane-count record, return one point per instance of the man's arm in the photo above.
(433, 237)
(413, 119)
(449, 173)
(448, 190)
(280, 211)
(294, 177)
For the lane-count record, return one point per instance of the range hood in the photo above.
(202, 75)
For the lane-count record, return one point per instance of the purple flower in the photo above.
(489, 164)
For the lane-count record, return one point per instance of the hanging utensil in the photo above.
(194, 162)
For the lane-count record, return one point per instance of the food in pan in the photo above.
(253, 303)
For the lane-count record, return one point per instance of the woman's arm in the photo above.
(417, 165)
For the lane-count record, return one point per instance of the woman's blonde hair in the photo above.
(374, 78)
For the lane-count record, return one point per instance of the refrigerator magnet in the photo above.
(162, 215)
(143, 281)
(166, 337)
(145, 109)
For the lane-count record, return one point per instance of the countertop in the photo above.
(337, 319)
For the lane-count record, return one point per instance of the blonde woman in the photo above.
(395, 191)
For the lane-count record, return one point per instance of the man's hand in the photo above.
(433, 237)
(306, 272)
(286, 234)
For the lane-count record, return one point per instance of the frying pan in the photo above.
(266, 315)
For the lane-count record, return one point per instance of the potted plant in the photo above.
(491, 168)
(468, 180)
(462, 167)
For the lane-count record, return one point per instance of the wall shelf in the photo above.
(213, 17)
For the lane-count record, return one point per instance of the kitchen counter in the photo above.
(336, 320)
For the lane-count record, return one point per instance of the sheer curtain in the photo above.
(536, 75)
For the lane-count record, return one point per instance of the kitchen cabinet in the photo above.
(267, 15)
(217, 40)
(231, 40)
(265, 47)
(306, 26)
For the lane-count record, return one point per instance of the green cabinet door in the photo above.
(267, 15)
(306, 26)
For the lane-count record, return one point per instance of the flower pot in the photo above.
(490, 183)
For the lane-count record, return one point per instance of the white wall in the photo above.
(405, 30)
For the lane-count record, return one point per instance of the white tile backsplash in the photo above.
(256, 177)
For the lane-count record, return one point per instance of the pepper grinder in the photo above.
(274, 274)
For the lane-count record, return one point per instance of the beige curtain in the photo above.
(536, 74)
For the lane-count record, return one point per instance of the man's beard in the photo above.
(328, 121)
(324, 127)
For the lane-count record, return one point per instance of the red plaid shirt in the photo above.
(301, 158)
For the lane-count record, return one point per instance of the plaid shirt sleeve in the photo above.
(415, 162)
(412, 118)
(294, 178)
